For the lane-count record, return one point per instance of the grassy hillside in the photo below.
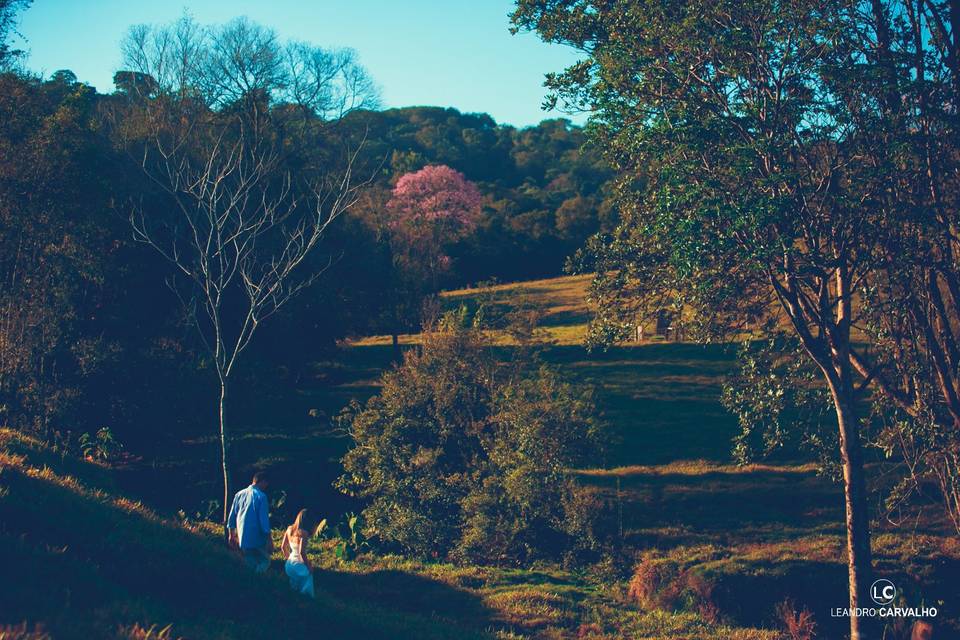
(709, 549)
(85, 562)
(81, 561)
(562, 301)
(661, 399)
(729, 542)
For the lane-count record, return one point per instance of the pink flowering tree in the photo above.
(436, 194)
(428, 210)
(431, 208)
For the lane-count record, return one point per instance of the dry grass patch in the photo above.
(696, 468)
(531, 609)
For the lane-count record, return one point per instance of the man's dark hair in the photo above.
(261, 476)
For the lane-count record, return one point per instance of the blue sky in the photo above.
(455, 53)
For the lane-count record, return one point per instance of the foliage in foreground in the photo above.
(86, 562)
(464, 456)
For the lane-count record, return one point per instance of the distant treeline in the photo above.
(91, 337)
(544, 186)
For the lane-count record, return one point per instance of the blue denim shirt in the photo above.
(249, 515)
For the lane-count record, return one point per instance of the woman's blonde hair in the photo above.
(304, 524)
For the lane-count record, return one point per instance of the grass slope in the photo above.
(81, 561)
(726, 541)
(660, 400)
(719, 546)
(86, 563)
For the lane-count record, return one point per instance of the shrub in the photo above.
(140, 632)
(102, 446)
(646, 583)
(465, 456)
(349, 536)
(660, 582)
(797, 625)
(922, 630)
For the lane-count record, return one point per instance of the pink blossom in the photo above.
(436, 196)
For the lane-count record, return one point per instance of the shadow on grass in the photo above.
(565, 318)
(749, 594)
(85, 564)
(750, 598)
(660, 401)
(407, 593)
(721, 507)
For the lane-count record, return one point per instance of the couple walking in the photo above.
(248, 530)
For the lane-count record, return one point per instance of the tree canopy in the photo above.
(760, 149)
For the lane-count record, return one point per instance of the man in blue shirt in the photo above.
(248, 526)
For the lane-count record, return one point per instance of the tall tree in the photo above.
(429, 210)
(236, 213)
(749, 140)
(914, 309)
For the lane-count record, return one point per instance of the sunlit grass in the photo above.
(543, 602)
(731, 541)
(562, 301)
(695, 468)
(86, 562)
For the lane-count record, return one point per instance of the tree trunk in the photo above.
(397, 356)
(224, 454)
(842, 388)
(857, 518)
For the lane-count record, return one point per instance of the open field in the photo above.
(561, 300)
(668, 476)
(76, 550)
(290, 273)
(660, 401)
(717, 547)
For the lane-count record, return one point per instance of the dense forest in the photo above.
(543, 186)
(89, 325)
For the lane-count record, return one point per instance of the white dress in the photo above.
(301, 578)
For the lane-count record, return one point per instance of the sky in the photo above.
(456, 53)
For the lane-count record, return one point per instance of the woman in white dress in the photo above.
(294, 546)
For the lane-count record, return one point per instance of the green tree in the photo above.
(56, 251)
(751, 141)
(913, 311)
(465, 456)
(903, 106)
(545, 187)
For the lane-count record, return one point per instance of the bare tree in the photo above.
(237, 224)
